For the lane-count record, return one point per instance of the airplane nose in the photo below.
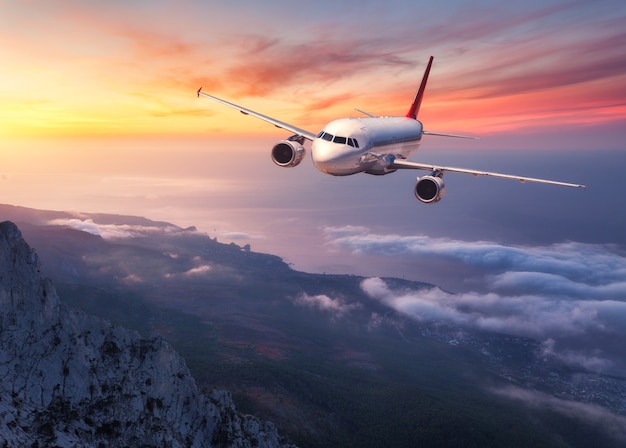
(333, 159)
(323, 156)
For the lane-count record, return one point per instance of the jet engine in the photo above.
(288, 153)
(430, 189)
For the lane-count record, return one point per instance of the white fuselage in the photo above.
(355, 145)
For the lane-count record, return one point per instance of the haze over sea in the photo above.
(239, 195)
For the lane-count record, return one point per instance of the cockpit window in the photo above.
(338, 139)
(353, 142)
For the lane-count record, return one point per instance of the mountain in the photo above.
(70, 379)
(316, 354)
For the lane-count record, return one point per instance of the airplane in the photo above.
(373, 145)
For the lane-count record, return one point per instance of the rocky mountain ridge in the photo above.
(70, 379)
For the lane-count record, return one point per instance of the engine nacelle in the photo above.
(430, 189)
(288, 153)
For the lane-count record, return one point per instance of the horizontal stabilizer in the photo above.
(365, 113)
(439, 134)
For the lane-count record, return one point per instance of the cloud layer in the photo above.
(584, 412)
(336, 306)
(571, 296)
(110, 231)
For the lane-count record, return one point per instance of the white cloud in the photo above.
(582, 264)
(238, 236)
(591, 361)
(585, 325)
(132, 279)
(199, 270)
(587, 413)
(107, 231)
(193, 272)
(325, 303)
(522, 315)
(571, 293)
(557, 285)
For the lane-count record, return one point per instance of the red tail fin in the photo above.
(417, 101)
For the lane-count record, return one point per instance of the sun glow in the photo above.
(81, 71)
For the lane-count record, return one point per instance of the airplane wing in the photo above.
(279, 124)
(440, 134)
(406, 164)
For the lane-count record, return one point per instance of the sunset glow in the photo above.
(117, 68)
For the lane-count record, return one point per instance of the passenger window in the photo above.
(340, 140)
(327, 137)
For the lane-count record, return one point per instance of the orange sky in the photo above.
(114, 68)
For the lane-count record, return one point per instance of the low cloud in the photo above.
(239, 236)
(132, 279)
(587, 413)
(107, 231)
(591, 361)
(325, 303)
(571, 296)
(526, 315)
(199, 270)
(586, 266)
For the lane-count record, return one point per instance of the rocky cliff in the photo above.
(69, 379)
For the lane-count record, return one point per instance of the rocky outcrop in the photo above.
(69, 379)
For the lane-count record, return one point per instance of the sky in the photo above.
(115, 68)
(99, 114)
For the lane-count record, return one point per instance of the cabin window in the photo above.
(340, 140)
(320, 134)
(356, 143)
(327, 137)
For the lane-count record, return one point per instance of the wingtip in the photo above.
(198, 92)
